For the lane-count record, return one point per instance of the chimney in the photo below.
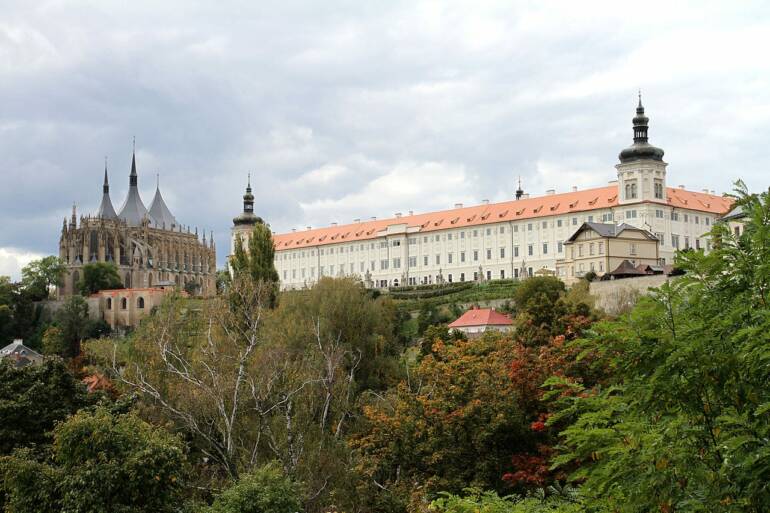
(612, 182)
(398, 214)
(334, 223)
(550, 192)
(705, 191)
(309, 228)
(525, 195)
(357, 220)
(411, 212)
(374, 218)
(712, 192)
(293, 230)
(458, 205)
(486, 202)
(681, 186)
(574, 188)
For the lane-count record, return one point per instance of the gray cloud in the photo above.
(334, 107)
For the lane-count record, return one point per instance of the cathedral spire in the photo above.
(132, 178)
(106, 210)
(133, 210)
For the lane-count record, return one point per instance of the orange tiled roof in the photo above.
(481, 317)
(478, 215)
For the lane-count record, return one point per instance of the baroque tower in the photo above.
(641, 171)
(243, 223)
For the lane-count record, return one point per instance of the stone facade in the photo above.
(147, 246)
(122, 308)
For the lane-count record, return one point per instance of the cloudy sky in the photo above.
(355, 109)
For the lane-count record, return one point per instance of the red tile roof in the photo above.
(514, 210)
(481, 317)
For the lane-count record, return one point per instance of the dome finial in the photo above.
(640, 99)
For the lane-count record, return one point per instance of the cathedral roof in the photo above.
(106, 210)
(479, 215)
(133, 210)
(160, 213)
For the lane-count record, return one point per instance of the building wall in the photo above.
(127, 307)
(613, 296)
(498, 250)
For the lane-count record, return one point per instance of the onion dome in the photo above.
(133, 210)
(641, 149)
(159, 212)
(247, 217)
(106, 210)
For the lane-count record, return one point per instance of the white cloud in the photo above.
(12, 260)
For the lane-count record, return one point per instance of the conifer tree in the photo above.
(255, 262)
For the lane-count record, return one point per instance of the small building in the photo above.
(735, 220)
(600, 248)
(122, 308)
(20, 355)
(476, 321)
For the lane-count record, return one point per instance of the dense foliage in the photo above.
(685, 424)
(99, 276)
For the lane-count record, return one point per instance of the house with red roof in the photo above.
(476, 321)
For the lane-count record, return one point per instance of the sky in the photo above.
(350, 109)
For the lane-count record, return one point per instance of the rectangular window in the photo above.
(675, 216)
(502, 274)
(580, 250)
(697, 219)
(412, 261)
(396, 243)
(515, 273)
(449, 278)
(285, 275)
(312, 272)
(448, 236)
(574, 221)
(462, 276)
(530, 250)
(591, 248)
(321, 271)
(659, 214)
(501, 229)
(607, 217)
(502, 252)
(545, 248)
(489, 275)
(438, 259)
(545, 224)
(462, 235)
(425, 261)
(462, 256)
(489, 254)
(558, 223)
(425, 239)
(707, 221)
(516, 251)
(371, 265)
(590, 219)
(475, 233)
(560, 246)
(396, 263)
(686, 218)
(331, 270)
(449, 258)
(687, 243)
(361, 267)
(601, 248)
(489, 232)
(674, 241)
(515, 228)
(529, 227)
(383, 244)
(475, 255)
(383, 265)
(437, 238)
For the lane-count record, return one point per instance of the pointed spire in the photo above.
(106, 185)
(640, 122)
(519, 191)
(133, 210)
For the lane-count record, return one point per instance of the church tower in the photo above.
(243, 223)
(641, 171)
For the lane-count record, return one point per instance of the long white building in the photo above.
(501, 240)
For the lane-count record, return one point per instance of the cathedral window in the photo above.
(140, 302)
(123, 303)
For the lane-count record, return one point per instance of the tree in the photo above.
(257, 260)
(685, 424)
(33, 399)
(39, 276)
(264, 490)
(454, 423)
(100, 462)
(99, 276)
(20, 317)
(73, 324)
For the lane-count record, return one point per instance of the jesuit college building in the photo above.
(511, 239)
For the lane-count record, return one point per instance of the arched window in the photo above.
(633, 190)
(123, 303)
(140, 302)
(628, 190)
(109, 303)
(127, 281)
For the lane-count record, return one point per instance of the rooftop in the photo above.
(481, 317)
(479, 215)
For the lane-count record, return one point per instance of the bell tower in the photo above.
(641, 171)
